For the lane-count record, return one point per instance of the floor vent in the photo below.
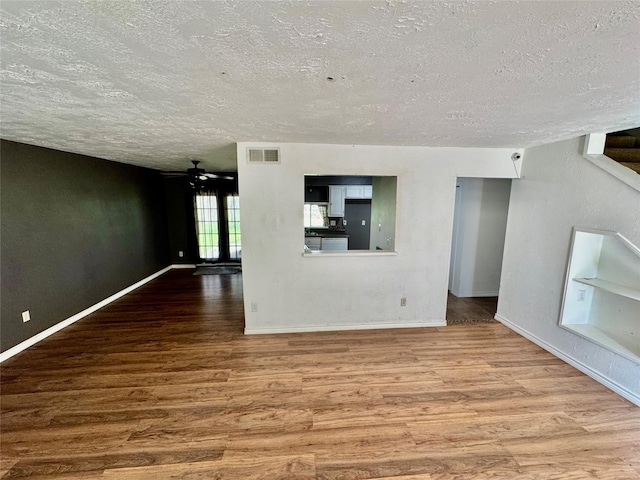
(263, 155)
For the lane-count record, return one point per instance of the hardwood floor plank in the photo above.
(31, 383)
(97, 464)
(193, 425)
(162, 384)
(301, 467)
(367, 441)
(625, 417)
(431, 459)
(65, 441)
(488, 427)
(366, 415)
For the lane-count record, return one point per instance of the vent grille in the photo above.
(264, 155)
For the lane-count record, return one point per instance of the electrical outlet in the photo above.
(364, 223)
(403, 302)
(180, 253)
(582, 295)
(254, 307)
(26, 316)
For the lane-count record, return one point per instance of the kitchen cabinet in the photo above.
(336, 200)
(358, 192)
(313, 243)
(353, 191)
(339, 193)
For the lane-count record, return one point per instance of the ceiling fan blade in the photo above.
(213, 175)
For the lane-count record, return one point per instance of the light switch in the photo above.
(364, 222)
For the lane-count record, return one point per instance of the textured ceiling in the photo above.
(156, 83)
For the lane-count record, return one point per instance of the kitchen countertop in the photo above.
(327, 235)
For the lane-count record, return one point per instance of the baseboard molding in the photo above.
(65, 323)
(619, 389)
(476, 294)
(459, 294)
(493, 293)
(336, 328)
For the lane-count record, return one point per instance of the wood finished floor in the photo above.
(163, 384)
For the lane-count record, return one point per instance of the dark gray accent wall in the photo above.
(181, 220)
(75, 230)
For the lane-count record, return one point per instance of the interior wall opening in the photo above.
(349, 212)
(477, 248)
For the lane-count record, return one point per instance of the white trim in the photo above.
(492, 293)
(619, 389)
(335, 328)
(485, 293)
(74, 318)
(183, 265)
(594, 144)
(594, 152)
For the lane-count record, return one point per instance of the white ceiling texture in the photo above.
(156, 83)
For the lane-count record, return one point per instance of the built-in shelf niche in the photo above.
(602, 291)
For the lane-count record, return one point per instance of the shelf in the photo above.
(607, 313)
(611, 287)
(595, 335)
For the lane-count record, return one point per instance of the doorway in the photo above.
(217, 218)
(477, 247)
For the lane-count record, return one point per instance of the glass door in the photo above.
(218, 226)
(207, 226)
(233, 226)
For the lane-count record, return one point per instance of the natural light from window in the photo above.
(316, 215)
(207, 226)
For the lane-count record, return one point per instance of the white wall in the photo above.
(558, 190)
(322, 292)
(478, 236)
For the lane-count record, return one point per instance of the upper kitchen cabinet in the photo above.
(339, 193)
(358, 192)
(336, 200)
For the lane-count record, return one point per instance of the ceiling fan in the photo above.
(197, 175)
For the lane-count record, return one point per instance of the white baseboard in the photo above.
(336, 328)
(65, 323)
(619, 389)
(492, 293)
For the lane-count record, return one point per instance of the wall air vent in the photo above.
(263, 155)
